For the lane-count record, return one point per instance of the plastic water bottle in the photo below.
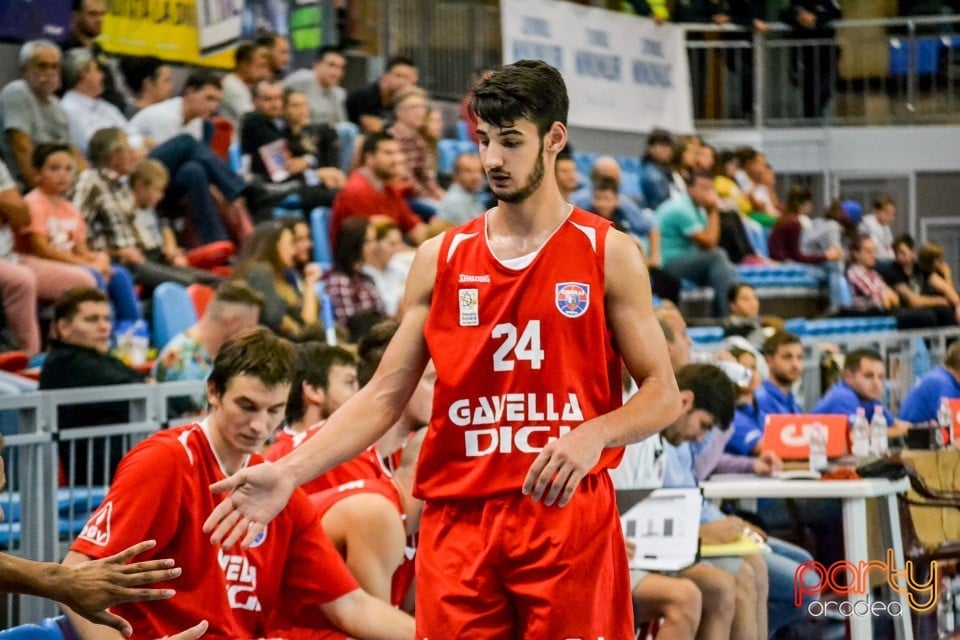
(945, 624)
(139, 343)
(860, 435)
(945, 419)
(818, 448)
(878, 433)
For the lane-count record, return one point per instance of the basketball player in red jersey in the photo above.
(526, 312)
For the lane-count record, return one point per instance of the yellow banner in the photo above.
(200, 32)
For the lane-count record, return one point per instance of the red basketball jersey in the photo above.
(523, 355)
(324, 501)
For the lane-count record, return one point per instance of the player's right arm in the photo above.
(259, 493)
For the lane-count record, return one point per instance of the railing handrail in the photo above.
(702, 27)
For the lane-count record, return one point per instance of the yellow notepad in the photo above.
(743, 546)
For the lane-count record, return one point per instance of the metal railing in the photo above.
(57, 477)
(881, 71)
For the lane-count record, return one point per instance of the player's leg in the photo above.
(762, 582)
(458, 593)
(676, 601)
(718, 593)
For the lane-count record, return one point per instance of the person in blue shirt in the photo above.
(748, 419)
(784, 355)
(655, 168)
(923, 401)
(863, 384)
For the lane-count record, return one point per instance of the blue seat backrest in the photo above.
(447, 151)
(320, 231)
(173, 312)
(463, 130)
(49, 629)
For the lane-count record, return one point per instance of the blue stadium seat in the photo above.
(50, 629)
(83, 500)
(584, 162)
(172, 312)
(320, 230)
(705, 335)
(463, 131)
(926, 56)
(447, 152)
(630, 184)
(292, 205)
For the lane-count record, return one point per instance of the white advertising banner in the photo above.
(622, 72)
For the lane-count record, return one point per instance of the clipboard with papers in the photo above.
(663, 524)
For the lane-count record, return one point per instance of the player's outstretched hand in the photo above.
(189, 634)
(561, 466)
(90, 587)
(257, 495)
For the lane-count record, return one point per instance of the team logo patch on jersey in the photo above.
(97, 529)
(261, 538)
(469, 303)
(573, 298)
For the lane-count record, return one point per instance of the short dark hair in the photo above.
(244, 53)
(882, 201)
(136, 70)
(779, 339)
(67, 305)
(267, 39)
(852, 362)
(605, 183)
(102, 143)
(258, 353)
(399, 61)
(371, 347)
(201, 78)
(238, 292)
(314, 362)
(43, 151)
(659, 136)
(325, 49)
(259, 84)
(735, 290)
(797, 197)
(348, 249)
(529, 90)
(696, 174)
(372, 141)
(905, 239)
(713, 391)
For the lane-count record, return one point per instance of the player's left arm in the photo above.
(563, 463)
(360, 615)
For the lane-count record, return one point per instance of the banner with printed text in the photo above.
(622, 72)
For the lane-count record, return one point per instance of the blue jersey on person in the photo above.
(772, 401)
(748, 424)
(842, 400)
(923, 401)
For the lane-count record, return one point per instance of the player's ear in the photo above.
(556, 137)
(686, 401)
(213, 394)
(313, 394)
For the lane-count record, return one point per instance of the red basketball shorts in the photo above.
(508, 567)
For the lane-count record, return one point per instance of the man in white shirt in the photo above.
(251, 64)
(877, 226)
(321, 85)
(86, 110)
(186, 114)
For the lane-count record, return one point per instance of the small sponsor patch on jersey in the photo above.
(97, 529)
(469, 302)
(466, 277)
(573, 298)
(260, 539)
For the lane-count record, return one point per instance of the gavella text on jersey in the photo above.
(524, 422)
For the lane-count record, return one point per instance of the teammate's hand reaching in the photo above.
(561, 466)
(258, 494)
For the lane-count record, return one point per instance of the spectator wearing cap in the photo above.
(655, 168)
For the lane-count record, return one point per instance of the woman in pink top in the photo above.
(58, 232)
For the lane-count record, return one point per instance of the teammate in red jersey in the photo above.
(373, 525)
(526, 313)
(290, 582)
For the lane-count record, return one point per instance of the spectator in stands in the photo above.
(321, 86)
(369, 106)
(567, 179)
(939, 276)
(316, 142)
(748, 419)
(85, 27)
(462, 201)
(263, 137)
(905, 277)
(276, 593)
(743, 239)
(655, 168)
(757, 182)
(30, 112)
(867, 286)
(85, 109)
(79, 356)
(388, 264)
(608, 167)
(783, 352)
(675, 331)
(863, 386)
(350, 289)
(58, 232)
(182, 114)
(689, 231)
(371, 190)
(785, 237)
(683, 162)
(877, 225)
(117, 200)
(410, 110)
(264, 263)
(150, 80)
(251, 64)
(922, 403)
(189, 355)
(744, 318)
(814, 65)
(278, 48)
